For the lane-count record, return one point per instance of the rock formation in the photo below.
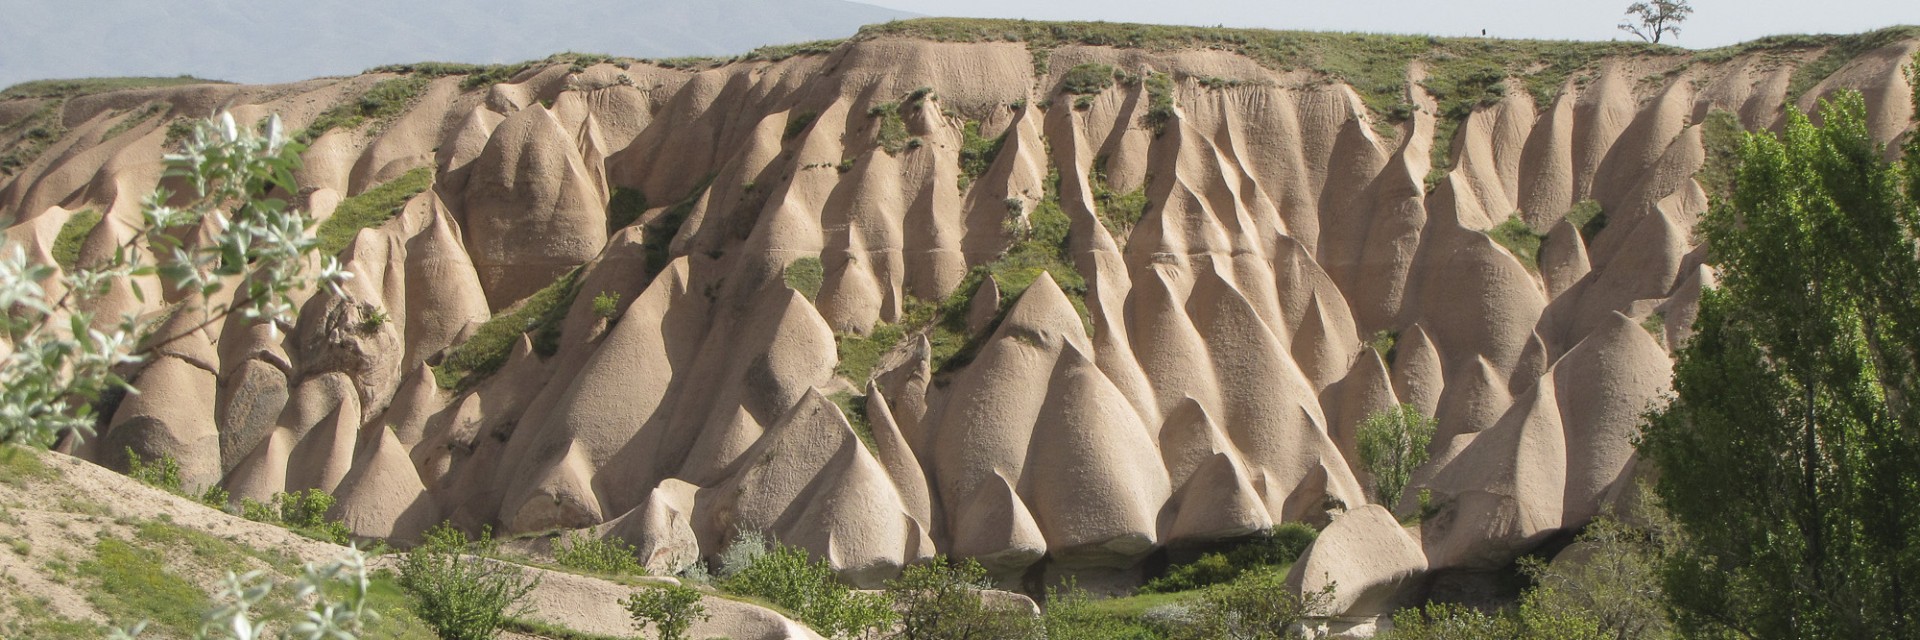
(995, 360)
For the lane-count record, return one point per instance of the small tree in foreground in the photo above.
(1392, 444)
(1650, 20)
(457, 591)
(670, 609)
(786, 576)
(940, 600)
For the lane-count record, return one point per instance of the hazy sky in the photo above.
(1714, 22)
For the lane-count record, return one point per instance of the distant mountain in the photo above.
(279, 40)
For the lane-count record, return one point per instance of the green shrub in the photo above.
(163, 474)
(611, 556)
(786, 577)
(940, 600)
(1383, 342)
(670, 609)
(1520, 239)
(132, 584)
(805, 275)
(1086, 79)
(624, 207)
(854, 407)
(459, 593)
(798, 124)
(1276, 548)
(1392, 444)
(371, 208)
(892, 133)
(305, 512)
(1159, 102)
(1256, 606)
(135, 119)
(977, 152)
(1118, 212)
(607, 304)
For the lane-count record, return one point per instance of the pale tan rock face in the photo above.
(1195, 374)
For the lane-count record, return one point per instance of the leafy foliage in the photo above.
(606, 305)
(72, 237)
(1791, 431)
(1257, 606)
(786, 577)
(1277, 548)
(1159, 102)
(459, 593)
(371, 209)
(584, 552)
(1392, 444)
(670, 609)
(1119, 212)
(305, 512)
(941, 600)
(163, 474)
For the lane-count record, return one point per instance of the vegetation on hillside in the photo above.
(538, 316)
(75, 87)
(371, 209)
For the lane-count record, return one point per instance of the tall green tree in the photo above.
(1790, 454)
(1392, 444)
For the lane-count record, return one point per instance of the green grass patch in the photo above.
(624, 207)
(1517, 237)
(977, 152)
(482, 354)
(854, 407)
(133, 584)
(371, 208)
(33, 617)
(209, 550)
(20, 466)
(73, 87)
(1118, 212)
(550, 631)
(383, 101)
(892, 133)
(66, 245)
(384, 596)
(778, 52)
(805, 275)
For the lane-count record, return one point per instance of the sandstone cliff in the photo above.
(1043, 295)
